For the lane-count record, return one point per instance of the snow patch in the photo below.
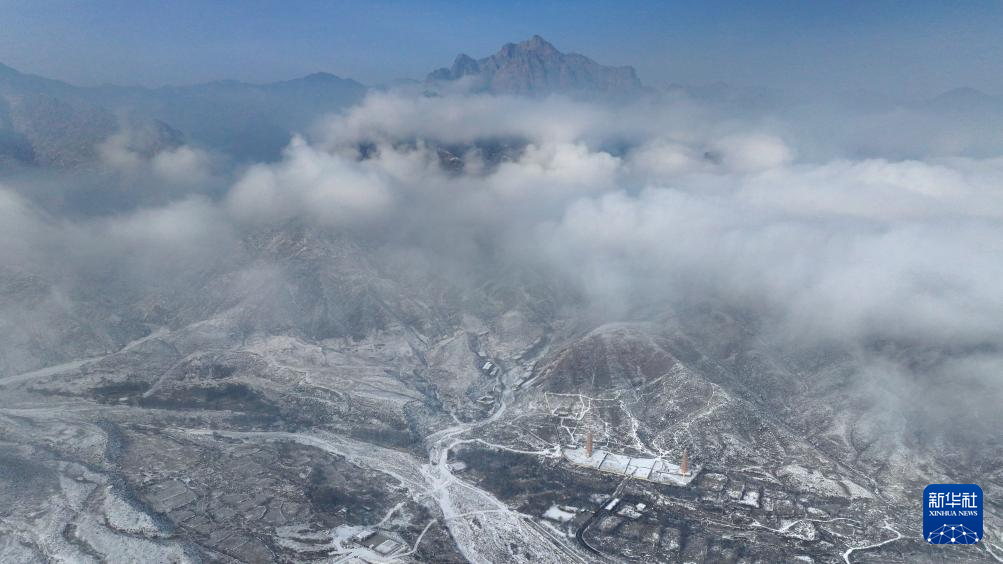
(555, 513)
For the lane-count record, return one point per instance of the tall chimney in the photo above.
(684, 466)
(588, 445)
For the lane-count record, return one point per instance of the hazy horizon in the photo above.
(906, 50)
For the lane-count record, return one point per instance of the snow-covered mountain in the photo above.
(450, 326)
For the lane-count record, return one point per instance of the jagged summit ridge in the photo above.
(536, 68)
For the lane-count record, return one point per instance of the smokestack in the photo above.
(684, 466)
(588, 445)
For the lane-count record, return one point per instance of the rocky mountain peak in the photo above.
(464, 65)
(535, 67)
(534, 45)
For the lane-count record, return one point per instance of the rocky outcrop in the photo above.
(536, 68)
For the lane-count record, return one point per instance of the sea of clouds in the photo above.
(660, 202)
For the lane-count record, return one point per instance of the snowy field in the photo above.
(651, 469)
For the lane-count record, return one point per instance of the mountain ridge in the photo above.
(535, 67)
(249, 121)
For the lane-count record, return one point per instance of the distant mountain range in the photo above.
(50, 123)
(45, 122)
(536, 68)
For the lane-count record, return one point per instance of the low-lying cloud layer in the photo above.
(631, 207)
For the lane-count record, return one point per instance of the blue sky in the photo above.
(906, 48)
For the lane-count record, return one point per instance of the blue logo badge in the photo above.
(952, 514)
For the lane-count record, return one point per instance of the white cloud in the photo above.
(182, 165)
(312, 183)
(460, 119)
(663, 159)
(561, 168)
(632, 206)
(752, 152)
